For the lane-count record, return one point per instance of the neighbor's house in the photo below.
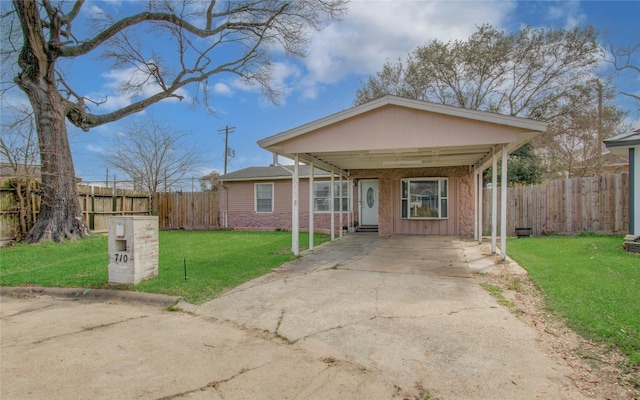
(628, 144)
(411, 167)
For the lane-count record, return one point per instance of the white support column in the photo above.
(494, 200)
(503, 206)
(340, 205)
(295, 226)
(331, 207)
(311, 208)
(480, 205)
(475, 204)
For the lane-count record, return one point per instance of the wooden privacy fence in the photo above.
(198, 210)
(99, 203)
(188, 210)
(597, 204)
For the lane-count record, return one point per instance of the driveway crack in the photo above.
(89, 328)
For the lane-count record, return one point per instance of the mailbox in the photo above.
(133, 249)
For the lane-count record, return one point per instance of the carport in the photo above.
(418, 165)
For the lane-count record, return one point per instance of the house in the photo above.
(414, 167)
(628, 144)
(259, 198)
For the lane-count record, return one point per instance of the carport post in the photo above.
(478, 208)
(295, 227)
(503, 206)
(311, 172)
(340, 202)
(331, 207)
(494, 199)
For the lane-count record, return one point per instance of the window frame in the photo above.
(255, 197)
(346, 196)
(405, 213)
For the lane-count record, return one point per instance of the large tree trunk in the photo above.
(60, 214)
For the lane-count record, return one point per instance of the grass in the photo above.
(216, 261)
(591, 282)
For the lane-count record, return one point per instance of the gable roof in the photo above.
(392, 131)
(272, 172)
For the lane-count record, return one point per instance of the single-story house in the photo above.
(259, 198)
(628, 144)
(411, 167)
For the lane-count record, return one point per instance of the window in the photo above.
(322, 196)
(264, 197)
(425, 198)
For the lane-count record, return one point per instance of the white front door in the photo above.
(369, 202)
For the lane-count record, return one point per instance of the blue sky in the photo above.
(325, 82)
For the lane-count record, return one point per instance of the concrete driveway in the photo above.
(362, 317)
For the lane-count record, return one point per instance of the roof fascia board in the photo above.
(622, 143)
(257, 178)
(308, 158)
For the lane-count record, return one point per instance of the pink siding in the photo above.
(411, 129)
(390, 222)
(236, 202)
(240, 212)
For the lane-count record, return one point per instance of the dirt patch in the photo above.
(597, 371)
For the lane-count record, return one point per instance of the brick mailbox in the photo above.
(133, 249)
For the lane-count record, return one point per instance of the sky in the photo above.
(339, 56)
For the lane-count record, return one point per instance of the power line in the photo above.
(227, 151)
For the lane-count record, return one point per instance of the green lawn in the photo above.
(216, 261)
(590, 281)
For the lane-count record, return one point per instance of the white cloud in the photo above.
(568, 13)
(95, 149)
(375, 31)
(285, 78)
(222, 89)
(115, 97)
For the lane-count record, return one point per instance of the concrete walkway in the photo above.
(361, 317)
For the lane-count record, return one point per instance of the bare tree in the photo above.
(543, 74)
(573, 142)
(152, 154)
(621, 59)
(205, 37)
(19, 150)
(532, 73)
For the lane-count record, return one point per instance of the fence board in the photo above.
(567, 206)
(198, 210)
(187, 210)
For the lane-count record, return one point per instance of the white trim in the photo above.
(494, 200)
(295, 214)
(503, 207)
(311, 205)
(255, 198)
(333, 222)
(439, 179)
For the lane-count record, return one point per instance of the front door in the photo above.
(369, 202)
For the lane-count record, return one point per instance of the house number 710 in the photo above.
(121, 258)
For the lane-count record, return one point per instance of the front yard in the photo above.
(591, 282)
(216, 261)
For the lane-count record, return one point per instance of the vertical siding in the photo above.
(460, 200)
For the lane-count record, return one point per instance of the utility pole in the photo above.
(227, 130)
(600, 116)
